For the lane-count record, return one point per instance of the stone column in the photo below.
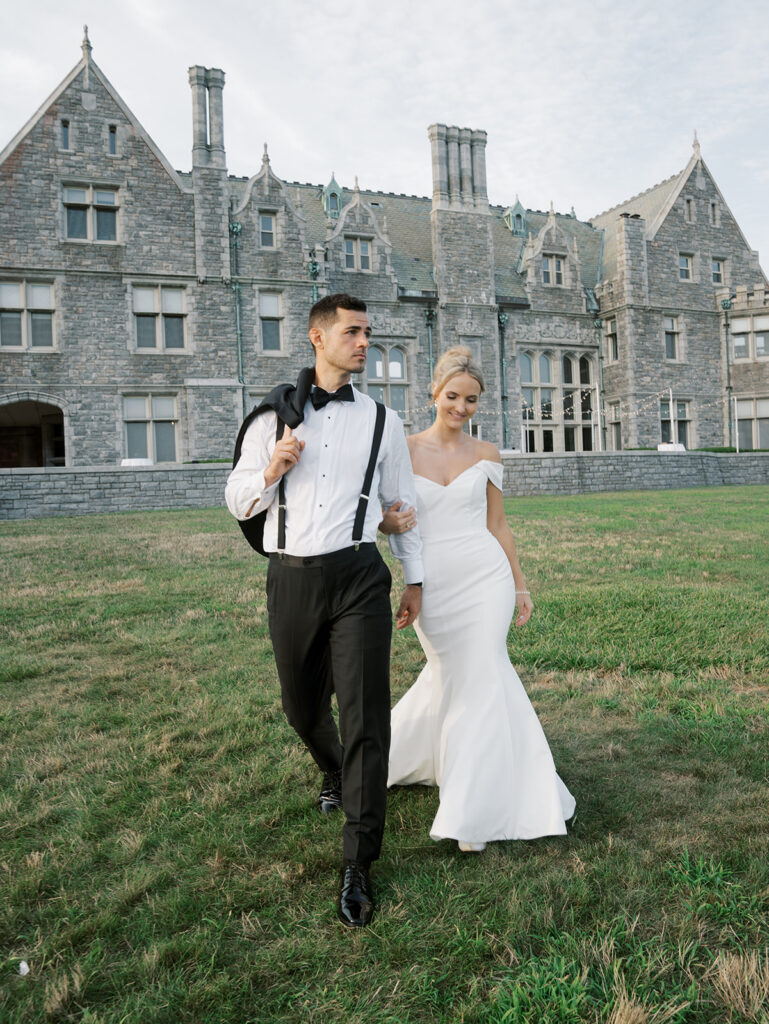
(437, 133)
(479, 169)
(197, 75)
(466, 166)
(215, 80)
(452, 142)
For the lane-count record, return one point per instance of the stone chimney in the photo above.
(207, 116)
(459, 168)
(209, 175)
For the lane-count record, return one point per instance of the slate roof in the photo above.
(648, 204)
(407, 222)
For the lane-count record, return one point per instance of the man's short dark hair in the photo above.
(324, 312)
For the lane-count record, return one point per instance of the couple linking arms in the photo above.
(466, 724)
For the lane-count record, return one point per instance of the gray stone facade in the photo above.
(143, 310)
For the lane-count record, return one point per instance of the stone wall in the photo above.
(36, 493)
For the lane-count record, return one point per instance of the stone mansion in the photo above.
(143, 309)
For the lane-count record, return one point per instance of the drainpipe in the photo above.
(313, 271)
(235, 228)
(598, 324)
(430, 317)
(502, 321)
(726, 305)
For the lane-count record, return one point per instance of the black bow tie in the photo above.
(319, 397)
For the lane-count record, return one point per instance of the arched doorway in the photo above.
(31, 434)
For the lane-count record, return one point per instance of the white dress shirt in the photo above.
(323, 489)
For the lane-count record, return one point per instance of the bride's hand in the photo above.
(525, 607)
(398, 518)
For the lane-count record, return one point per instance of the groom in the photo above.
(328, 596)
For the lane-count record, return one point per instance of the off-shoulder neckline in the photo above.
(465, 470)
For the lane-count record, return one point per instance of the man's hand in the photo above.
(285, 455)
(411, 602)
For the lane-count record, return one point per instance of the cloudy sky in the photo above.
(585, 103)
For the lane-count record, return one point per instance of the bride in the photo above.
(467, 725)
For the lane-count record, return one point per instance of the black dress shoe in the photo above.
(330, 798)
(356, 901)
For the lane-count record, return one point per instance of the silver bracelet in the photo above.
(524, 592)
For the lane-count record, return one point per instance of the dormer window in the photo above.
(332, 199)
(552, 270)
(357, 254)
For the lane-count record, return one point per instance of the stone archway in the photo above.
(31, 434)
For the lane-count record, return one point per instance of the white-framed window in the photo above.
(553, 269)
(761, 338)
(271, 321)
(537, 401)
(387, 377)
(672, 341)
(357, 254)
(718, 271)
(753, 423)
(149, 427)
(677, 429)
(91, 213)
(612, 347)
(685, 266)
(268, 238)
(159, 318)
(27, 316)
(615, 426)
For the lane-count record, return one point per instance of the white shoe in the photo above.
(471, 847)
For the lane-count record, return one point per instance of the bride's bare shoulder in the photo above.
(487, 450)
(416, 441)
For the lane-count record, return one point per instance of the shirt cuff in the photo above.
(258, 498)
(413, 571)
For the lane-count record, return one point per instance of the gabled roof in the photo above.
(654, 205)
(87, 67)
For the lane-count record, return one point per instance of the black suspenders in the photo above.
(360, 515)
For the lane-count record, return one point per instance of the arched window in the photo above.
(526, 367)
(544, 369)
(518, 222)
(386, 376)
(584, 370)
(375, 365)
(568, 370)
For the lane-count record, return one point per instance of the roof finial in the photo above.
(86, 48)
(265, 155)
(696, 146)
(357, 186)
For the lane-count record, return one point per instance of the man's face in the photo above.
(343, 345)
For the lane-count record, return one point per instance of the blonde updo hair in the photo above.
(454, 361)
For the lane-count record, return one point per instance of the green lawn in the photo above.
(161, 859)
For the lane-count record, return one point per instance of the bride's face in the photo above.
(457, 400)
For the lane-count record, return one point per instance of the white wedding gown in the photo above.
(467, 724)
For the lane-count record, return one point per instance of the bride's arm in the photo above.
(497, 523)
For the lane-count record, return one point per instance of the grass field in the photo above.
(161, 859)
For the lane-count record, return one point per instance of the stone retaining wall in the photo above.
(34, 493)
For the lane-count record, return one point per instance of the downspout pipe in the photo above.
(726, 305)
(235, 228)
(502, 321)
(430, 317)
(598, 324)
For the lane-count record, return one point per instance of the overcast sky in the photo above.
(585, 103)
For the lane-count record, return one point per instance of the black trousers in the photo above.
(330, 625)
